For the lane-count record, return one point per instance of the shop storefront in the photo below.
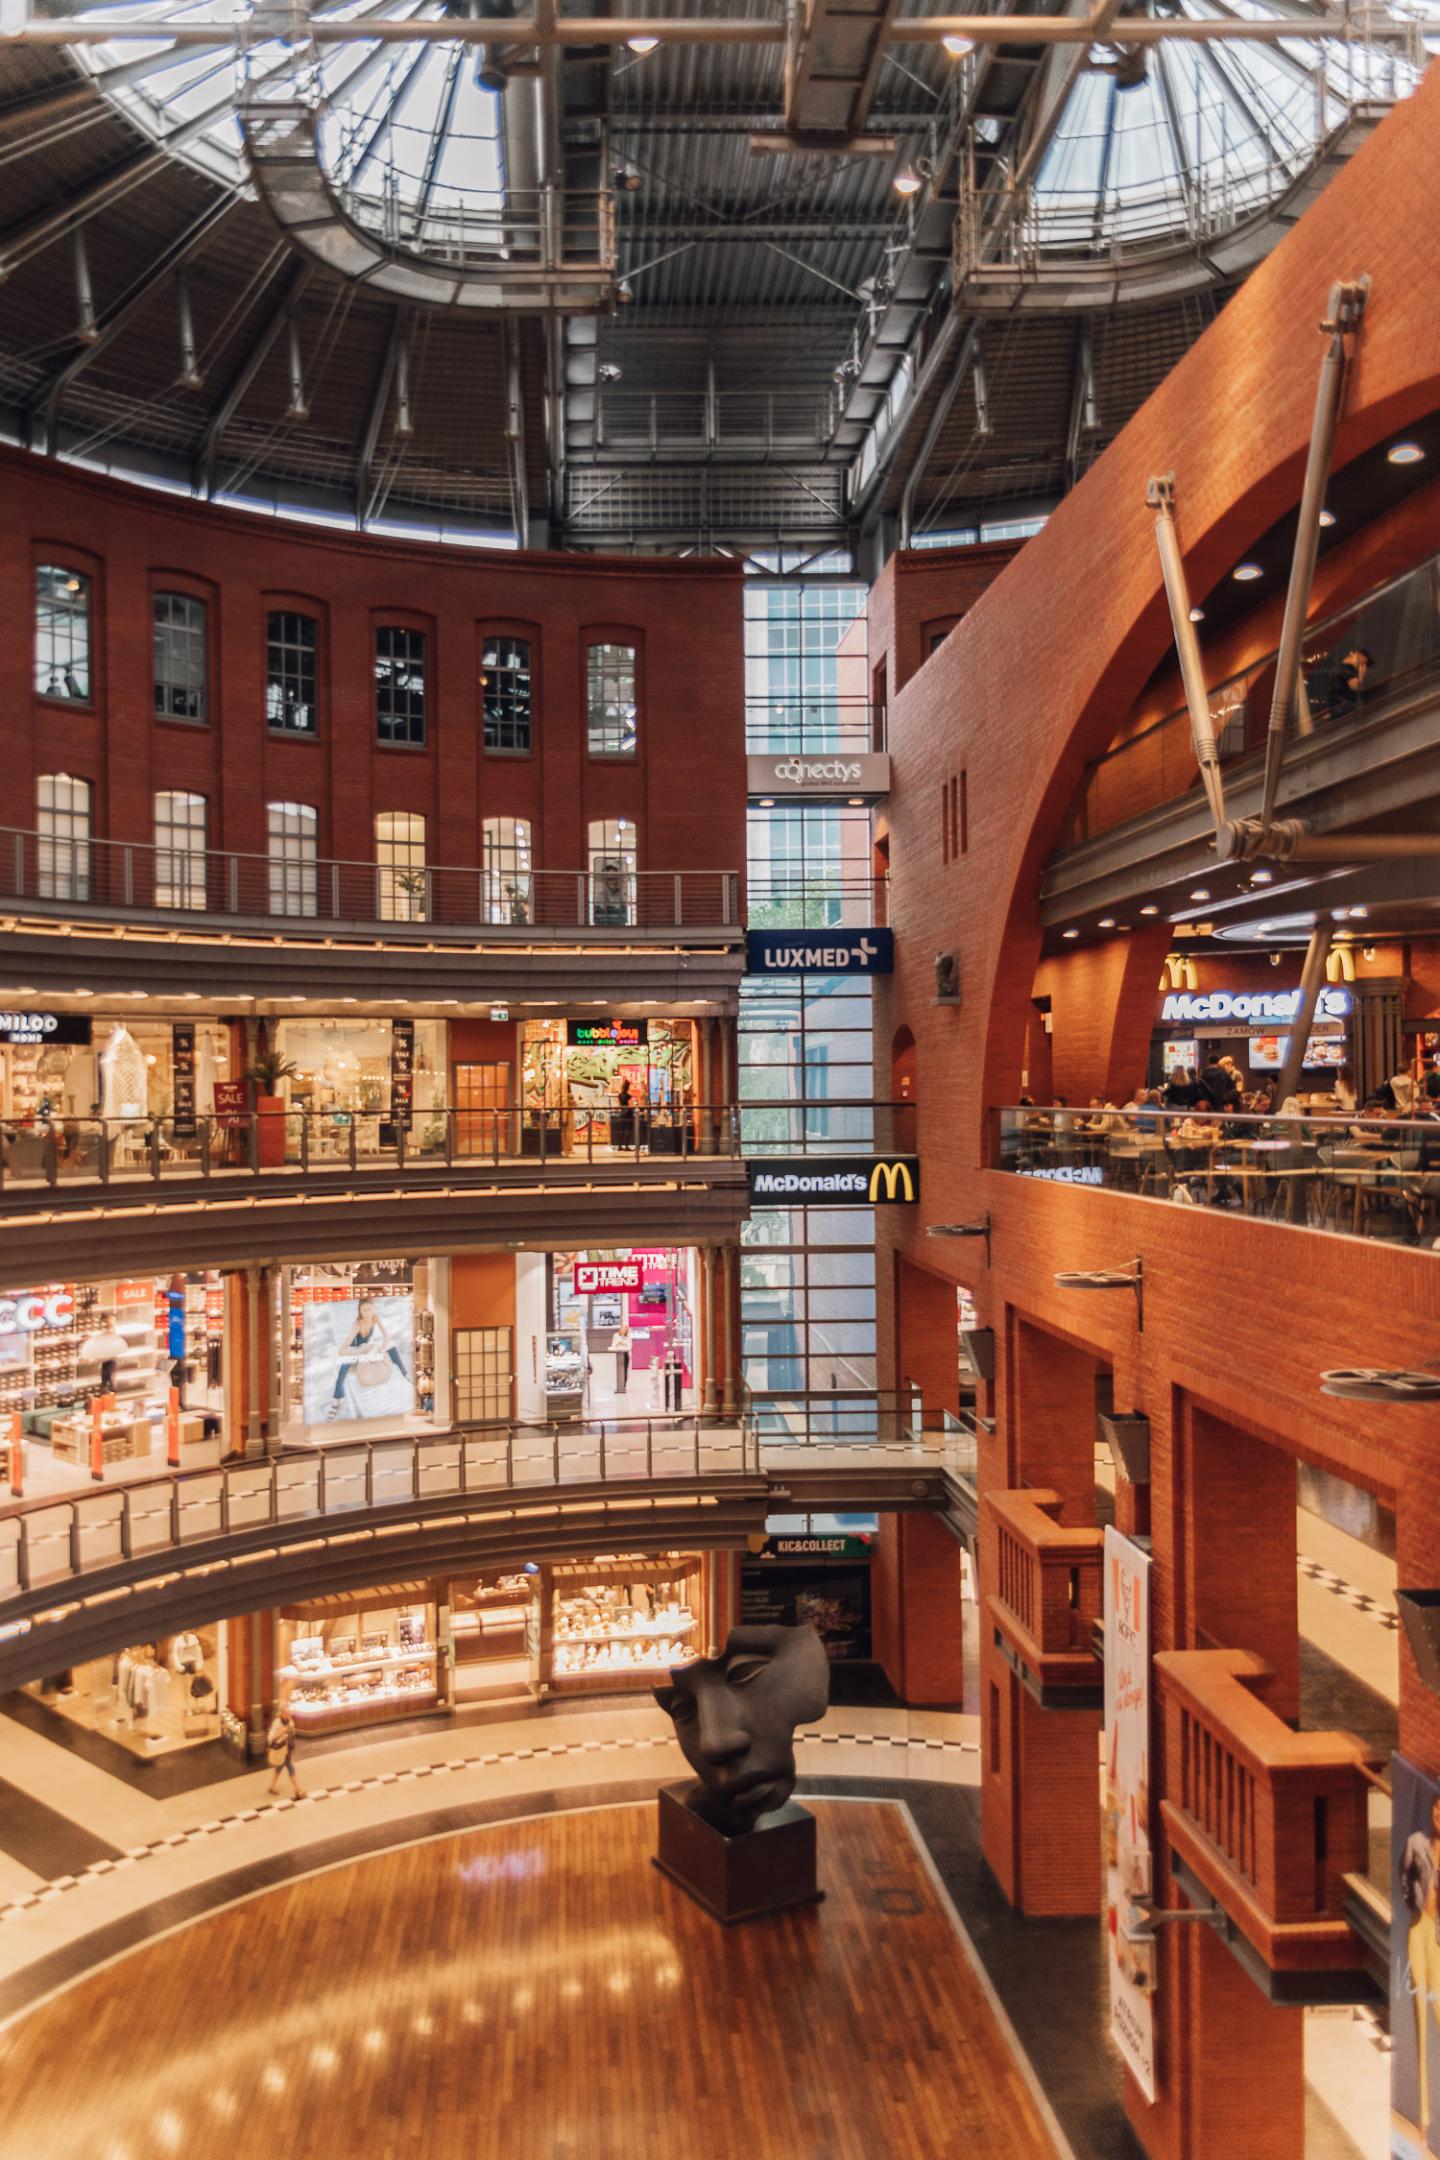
(608, 1083)
(152, 1699)
(810, 1576)
(360, 1659)
(94, 1373)
(495, 1634)
(359, 1348)
(1248, 1025)
(358, 1081)
(622, 1334)
(620, 1621)
(64, 1069)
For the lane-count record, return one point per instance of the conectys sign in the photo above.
(835, 1181)
(819, 952)
(1262, 1006)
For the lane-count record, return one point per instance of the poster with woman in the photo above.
(359, 1356)
(1414, 1963)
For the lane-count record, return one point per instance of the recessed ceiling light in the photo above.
(1261, 877)
(767, 802)
(1359, 912)
(1197, 614)
(1107, 922)
(1244, 573)
(957, 47)
(1327, 517)
(1404, 453)
(1201, 892)
(906, 181)
(1072, 933)
(1149, 910)
(856, 802)
(642, 44)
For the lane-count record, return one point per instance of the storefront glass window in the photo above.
(404, 894)
(62, 823)
(359, 1343)
(505, 689)
(294, 846)
(62, 634)
(358, 1081)
(509, 875)
(400, 685)
(290, 673)
(610, 692)
(179, 638)
(613, 856)
(179, 849)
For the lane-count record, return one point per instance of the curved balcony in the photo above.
(86, 1574)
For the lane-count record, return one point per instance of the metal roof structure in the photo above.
(739, 278)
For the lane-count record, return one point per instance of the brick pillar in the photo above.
(1052, 1418)
(1231, 2064)
(927, 1328)
(915, 1610)
(1039, 1795)
(1241, 1529)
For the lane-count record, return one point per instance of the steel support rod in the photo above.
(1312, 982)
(1160, 495)
(1347, 303)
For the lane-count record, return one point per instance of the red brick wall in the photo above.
(915, 1612)
(921, 589)
(685, 789)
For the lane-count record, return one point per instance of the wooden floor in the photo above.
(535, 1992)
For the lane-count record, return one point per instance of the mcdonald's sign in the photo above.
(835, 1181)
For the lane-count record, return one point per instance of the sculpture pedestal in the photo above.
(764, 1870)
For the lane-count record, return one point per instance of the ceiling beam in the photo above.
(293, 284)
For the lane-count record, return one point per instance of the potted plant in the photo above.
(264, 1076)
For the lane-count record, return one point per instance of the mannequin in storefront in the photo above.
(735, 1717)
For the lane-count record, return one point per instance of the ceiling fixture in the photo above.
(1200, 893)
(1071, 933)
(1327, 518)
(907, 181)
(1261, 877)
(1111, 1278)
(642, 45)
(1244, 573)
(1404, 453)
(1368, 1383)
(1358, 914)
(957, 47)
(1197, 614)
(1150, 910)
(1107, 922)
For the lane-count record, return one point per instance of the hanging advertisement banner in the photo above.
(1125, 1822)
(232, 1105)
(182, 1065)
(1414, 1962)
(402, 1071)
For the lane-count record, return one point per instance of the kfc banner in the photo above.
(1125, 1827)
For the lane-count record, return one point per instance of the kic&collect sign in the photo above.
(819, 952)
(1191, 1006)
(835, 1180)
(595, 1276)
(607, 1034)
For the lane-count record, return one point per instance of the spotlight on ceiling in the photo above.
(642, 45)
(627, 180)
(1245, 573)
(906, 181)
(957, 47)
(1261, 877)
(609, 371)
(1371, 1383)
(1107, 922)
(1197, 614)
(1150, 908)
(1201, 892)
(1327, 518)
(1070, 933)
(1404, 453)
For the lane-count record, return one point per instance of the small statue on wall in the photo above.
(736, 1840)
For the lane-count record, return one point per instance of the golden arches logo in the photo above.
(896, 1179)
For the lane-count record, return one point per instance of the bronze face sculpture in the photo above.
(735, 1717)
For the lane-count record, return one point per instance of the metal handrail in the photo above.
(55, 1153)
(180, 885)
(49, 1540)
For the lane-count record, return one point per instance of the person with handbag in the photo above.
(365, 1355)
(280, 1752)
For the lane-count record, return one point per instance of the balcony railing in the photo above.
(182, 886)
(1048, 1600)
(44, 1155)
(811, 725)
(1396, 628)
(1359, 1176)
(1267, 1821)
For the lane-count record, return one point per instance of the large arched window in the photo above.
(509, 873)
(403, 881)
(292, 836)
(179, 849)
(62, 826)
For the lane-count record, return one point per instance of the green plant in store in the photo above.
(268, 1069)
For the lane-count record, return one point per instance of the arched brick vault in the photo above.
(1240, 1316)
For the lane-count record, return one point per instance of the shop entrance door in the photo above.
(482, 1098)
(484, 1374)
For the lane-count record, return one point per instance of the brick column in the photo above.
(928, 1348)
(1231, 2065)
(1240, 1526)
(915, 1610)
(1052, 1418)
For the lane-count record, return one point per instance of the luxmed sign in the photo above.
(819, 952)
(836, 1181)
(1263, 1006)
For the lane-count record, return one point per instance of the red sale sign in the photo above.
(594, 1276)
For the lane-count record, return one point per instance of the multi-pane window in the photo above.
(292, 831)
(805, 667)
(807, 1316)
(291, 697)
(809, 865)
(509, 875)
(610, 700)
(400, 685)
(505, 689)
(403, 880)
(482, 1375)
(62, 825)
(806, 1064)
(612, 871)
(179, 849)
(179, 637)
(62, 633)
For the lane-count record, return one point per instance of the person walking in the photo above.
(620, 1344)
(280, 1753)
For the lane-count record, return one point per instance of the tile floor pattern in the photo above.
(1375, 1608)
